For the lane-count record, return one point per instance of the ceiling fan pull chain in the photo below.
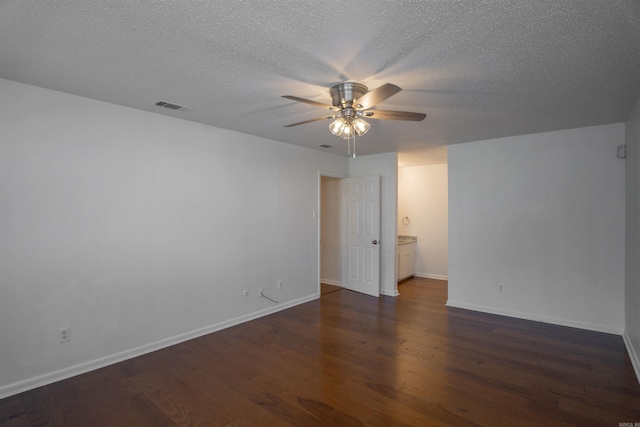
(354, 145)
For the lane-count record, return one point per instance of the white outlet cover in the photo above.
(64, 334)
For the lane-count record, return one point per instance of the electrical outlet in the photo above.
(280, 284)
(500, 287)
(64, 334)
(260, 291)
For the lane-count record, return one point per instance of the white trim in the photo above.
(431, 276)
(331, 282)
(635, 362)
(71, 371)
(389, 293)
(536, 318)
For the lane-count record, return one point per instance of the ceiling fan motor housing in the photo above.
(344, 94)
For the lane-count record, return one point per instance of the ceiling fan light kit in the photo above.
(350, 102)
(347, 126)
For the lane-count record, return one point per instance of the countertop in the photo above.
(405, 240)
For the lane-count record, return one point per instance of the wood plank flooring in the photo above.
(352, 360)
(326, 288)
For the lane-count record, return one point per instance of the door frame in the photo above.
(389, 219)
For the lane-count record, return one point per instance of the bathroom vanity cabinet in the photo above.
(406, 257)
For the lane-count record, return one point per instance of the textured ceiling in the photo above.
(478, 69)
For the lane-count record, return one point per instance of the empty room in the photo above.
(300, 213)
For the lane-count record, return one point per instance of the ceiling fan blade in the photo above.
(376, 96)
(310, 102)
(393, 115)
(310, 121)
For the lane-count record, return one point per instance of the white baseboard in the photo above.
(432, 276)
(633, 355)
(331, 282)
(536, 318)
(71, 371)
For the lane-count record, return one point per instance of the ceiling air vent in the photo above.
(325, 146)
(171, 106)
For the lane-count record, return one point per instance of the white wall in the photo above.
(422, 196)
(632, 276)
(544, 215)
(386, 166)
(138, 230)
(331, 231)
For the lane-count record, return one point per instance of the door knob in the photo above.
(375, 242)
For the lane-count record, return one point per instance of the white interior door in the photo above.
(361, 241)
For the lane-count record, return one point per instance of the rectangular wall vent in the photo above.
(171, 106)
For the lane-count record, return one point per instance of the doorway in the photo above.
(330, 232)
(423, 213)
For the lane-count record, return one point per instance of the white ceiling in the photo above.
(479, 69)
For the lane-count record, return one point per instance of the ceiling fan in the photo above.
(351, 102)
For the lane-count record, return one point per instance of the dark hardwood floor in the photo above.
(325, 288)
(351, 360)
